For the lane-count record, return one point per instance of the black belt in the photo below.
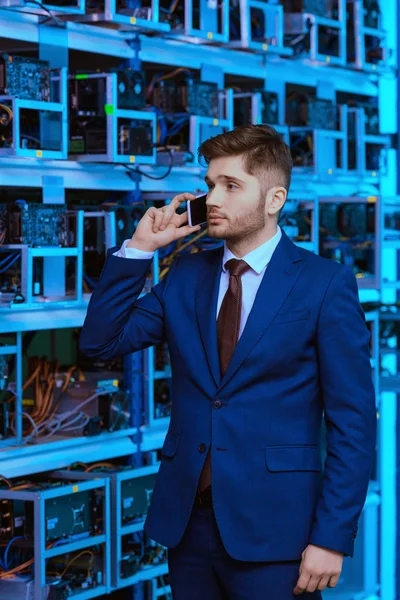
(203, 499)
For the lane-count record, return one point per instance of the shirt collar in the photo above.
(258, 258)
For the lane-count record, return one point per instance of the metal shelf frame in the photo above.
(326, 163)
(87, 38)
(151, 375)
(201, 128)
(273, 28)
(375, 282)
(373, 318)
(363, 140)
(28, 254)
(306, 202)
(41, 554)
(119, 530)
(59, 108)
(32, 8)
(266, 63)
(309, 25)
(16, 350)
(130, 20)
(213, 21)
(19, 459)
(112, 115)
(361, 31)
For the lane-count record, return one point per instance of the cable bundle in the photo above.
(43, 420)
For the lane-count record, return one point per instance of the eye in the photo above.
(233, 185)
(209, 185)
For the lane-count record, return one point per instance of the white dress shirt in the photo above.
(257, 259)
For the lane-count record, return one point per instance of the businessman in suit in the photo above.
(265, 340)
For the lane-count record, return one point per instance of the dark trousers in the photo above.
(201, 569)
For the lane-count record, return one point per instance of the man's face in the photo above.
(236, 206)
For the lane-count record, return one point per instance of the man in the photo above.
(265, 338)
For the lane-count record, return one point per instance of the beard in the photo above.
(241, 226)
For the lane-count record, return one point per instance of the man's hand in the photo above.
(160, 226)
(319, 568)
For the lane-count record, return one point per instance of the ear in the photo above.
(277, 199)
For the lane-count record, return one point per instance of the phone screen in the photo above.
(197, 210)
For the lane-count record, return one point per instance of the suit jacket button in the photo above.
(202, 447)
(217, 404)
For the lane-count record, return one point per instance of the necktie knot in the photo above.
(237, 267)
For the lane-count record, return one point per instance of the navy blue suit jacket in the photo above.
(303, 356)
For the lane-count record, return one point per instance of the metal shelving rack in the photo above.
(311, 24)
(271, 64)
(28, 254)
(120, 529)
(42, 554)
(273, 28)
(55, 9)
(113, 114)
(57, 107)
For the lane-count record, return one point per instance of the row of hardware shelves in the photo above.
(41, 528)
(60, 516)
(328, 138)
(350, 229)
(99, 511)
(146, 435)
(154, 431)
(347, 34)
(69, 175)
(316, 223)
(354, 581)
(267, 60)
(85, 38)
(353, 229)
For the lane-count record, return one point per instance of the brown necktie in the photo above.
(228, 326)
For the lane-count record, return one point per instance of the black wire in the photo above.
(192, 155)
(139, 172)
(51, 16)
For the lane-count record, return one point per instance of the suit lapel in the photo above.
(206, 300)
(277, 282)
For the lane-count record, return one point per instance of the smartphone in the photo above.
(197, 210)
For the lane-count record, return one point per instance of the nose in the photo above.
(214, 199)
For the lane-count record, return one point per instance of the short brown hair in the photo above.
(263, 150)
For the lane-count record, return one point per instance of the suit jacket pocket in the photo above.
(291, 317)
(293, 458)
